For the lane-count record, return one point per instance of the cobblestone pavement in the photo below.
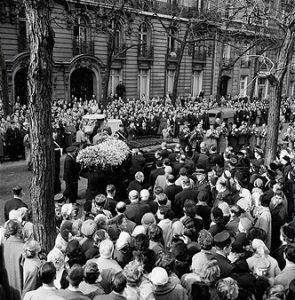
(13, 173)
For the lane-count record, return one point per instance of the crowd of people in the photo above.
(207, 221)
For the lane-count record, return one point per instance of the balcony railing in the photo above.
(199, 56)
(245, 63)
(227, 62)
(145, 53)
(83, 47)
(173, 55)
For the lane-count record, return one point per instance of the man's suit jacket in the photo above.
(71, 171)
(134, 185)
(180, 198)
(226, 268)
(135, 211)
(154, 174)
(111, 296)
(11, 204)
(171, 191)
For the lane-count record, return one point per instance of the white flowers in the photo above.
(110, 152)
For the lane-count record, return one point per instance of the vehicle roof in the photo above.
(94, 117)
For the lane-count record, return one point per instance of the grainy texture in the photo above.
(41, 42)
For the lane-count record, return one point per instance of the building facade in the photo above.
(145, 55)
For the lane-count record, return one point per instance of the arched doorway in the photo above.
(224, 85)
(20, 86)
(82, 82)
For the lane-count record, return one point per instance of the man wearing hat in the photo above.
(71, 174)
(164, 288)
(258, 154)
(15, 203)
(223, 241)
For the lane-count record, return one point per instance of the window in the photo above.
(226, 52)
(82, 41)
(199, 51)
(115, 78)
(144, 39)
(197, 83)
(117, 35)
(245, 59)
(144, 83)
(262, 86)
(22, 31)
(170, 80)
(172, 43)
(243, 86)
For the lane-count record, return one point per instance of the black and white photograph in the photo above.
(147, 149)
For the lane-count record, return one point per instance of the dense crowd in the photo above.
(204, 220)
(140, 118)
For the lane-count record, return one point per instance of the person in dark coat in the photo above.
(135, 210)
(71, 174)
(14, 203)
(222, 243)
(154, 173)
(13, 141)
(137, 162)
(186, 193)
(111, 203)
(137, 183)
(121, 90)
(172, 189)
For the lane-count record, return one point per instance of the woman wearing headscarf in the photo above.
(13, 259)
(261, 263)
(31, 266)
(138, 284)
(58, 259)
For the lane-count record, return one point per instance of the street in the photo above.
(16, 173)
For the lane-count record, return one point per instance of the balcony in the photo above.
(173, 55)
(199, 57)
(83, 47)
(227, 62)
(245, 63)
(145, 53)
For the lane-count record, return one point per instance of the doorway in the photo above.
(82, 82)
(20, 86)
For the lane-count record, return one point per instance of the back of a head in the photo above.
(200, 291)
(227, 289)
(168, 170)
(186, 182)
(119, 282)
(75, 275)
(141, 242)
(110, 188)
(121, 207)
(139, 176)
(162, 199)
(106, 249)
(290, 253)
(183, 171)
(144, 195)
(17, 190)
(47, 272)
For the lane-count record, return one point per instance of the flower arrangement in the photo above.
(111, 152)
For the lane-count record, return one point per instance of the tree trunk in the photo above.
(108, 71)
(221, 69)
(178, 65)
(283, 59)
(273, 125)
(252, 89)
(41, 41)
(4, 78)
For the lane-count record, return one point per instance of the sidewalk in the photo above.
(13, 173)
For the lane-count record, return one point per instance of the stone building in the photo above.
(146, 50)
